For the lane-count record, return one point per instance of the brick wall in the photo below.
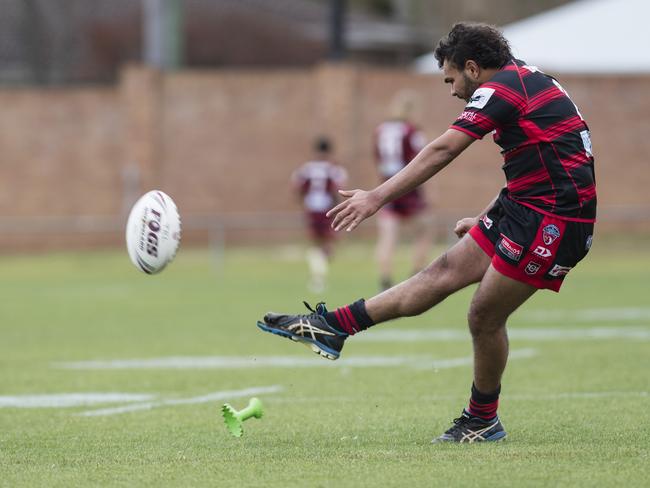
(225, 142)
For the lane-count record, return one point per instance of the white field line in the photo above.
(63, 400)
(237, 362)
(616, 314)
(527, 334)
(211, 397)
(437, 364)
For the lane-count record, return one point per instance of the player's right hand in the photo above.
(464, 225)
(358, 206)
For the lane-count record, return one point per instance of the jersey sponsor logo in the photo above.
(550, 233)
(590, 239)
(510, 248)
(542, 252)
(468, 116)
(558, 270)
(487, 222)
(532, 267)
(480, 98)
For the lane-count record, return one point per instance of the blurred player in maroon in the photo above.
(396, 142)
(317, 182)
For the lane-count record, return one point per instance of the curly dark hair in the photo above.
(480, 42)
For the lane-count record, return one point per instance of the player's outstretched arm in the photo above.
(361, 204)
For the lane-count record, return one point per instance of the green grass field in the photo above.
(575, 399)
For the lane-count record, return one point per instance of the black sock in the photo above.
(350, 319)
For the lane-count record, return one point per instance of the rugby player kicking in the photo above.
(528, 238)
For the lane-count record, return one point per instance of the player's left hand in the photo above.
(464, 225)
(358, 207)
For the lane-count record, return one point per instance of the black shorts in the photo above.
(531, 247)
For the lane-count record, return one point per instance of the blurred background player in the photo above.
(397, 141)
(317, 182)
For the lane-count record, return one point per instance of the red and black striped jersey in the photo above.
(545, 142)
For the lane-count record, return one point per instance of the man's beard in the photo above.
(470, 87)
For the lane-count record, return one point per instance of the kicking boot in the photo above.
(310, 329)
(468, 428)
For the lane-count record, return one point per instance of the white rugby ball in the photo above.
(153, 232)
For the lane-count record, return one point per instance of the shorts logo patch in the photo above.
(550, 233)
(542, 252)
(588, 243)
(510, 248)
(532, 267)
(480, 98)
(487, 222)
(558, 270)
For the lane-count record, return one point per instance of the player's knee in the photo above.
(440, 273)
(482, 319)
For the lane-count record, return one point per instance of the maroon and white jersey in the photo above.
(545, 142)
(318, 183)
(396, 143)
